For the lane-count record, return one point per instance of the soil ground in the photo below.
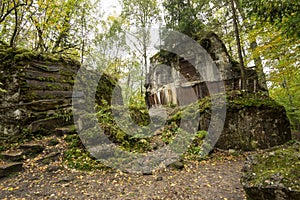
(216, 178)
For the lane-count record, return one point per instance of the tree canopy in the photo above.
(284, 14)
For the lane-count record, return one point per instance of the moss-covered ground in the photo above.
(280, 165)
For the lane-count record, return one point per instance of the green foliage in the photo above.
(196, 147)
(288, 96)
(63, 114)
(139, 115)
(141, 15)
(77, 157)
(2, 90)
(142, 12)
(169, 132)
(284, 14)
(116, 134)
(138, 110)
(106, 85)
(13, 142)
(47, 26)
(281, 56)
(182, 16)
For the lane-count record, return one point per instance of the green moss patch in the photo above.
(77, 157)
(246, 99)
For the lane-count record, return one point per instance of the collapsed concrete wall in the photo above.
(38, 92)
(253, 120)
(172, 77)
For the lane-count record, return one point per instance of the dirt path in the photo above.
(214, 179)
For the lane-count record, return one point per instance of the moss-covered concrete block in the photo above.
(274, 174)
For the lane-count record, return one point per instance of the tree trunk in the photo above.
(239, 47)
(145, 57)
(13, 37)
(262, 81)
(62, 34)
(253, 45)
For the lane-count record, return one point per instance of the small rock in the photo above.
(268, 182)
(147, 170)
(53, 142)
(160, 178)
(231, 151)
(53, 168)
(272, 154)
(147, 173)
(63, 131)
(10, 168)
(177, 165)
(51, 157)
(66, 179)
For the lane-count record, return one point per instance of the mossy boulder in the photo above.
(274, 174)
(253, 121)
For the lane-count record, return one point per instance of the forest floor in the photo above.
(216, 178)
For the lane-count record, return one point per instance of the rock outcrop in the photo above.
(38, 92)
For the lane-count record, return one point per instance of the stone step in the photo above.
(51, 157)
(64, 131)
(7, 169)
(31, 149)
(14, 156)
